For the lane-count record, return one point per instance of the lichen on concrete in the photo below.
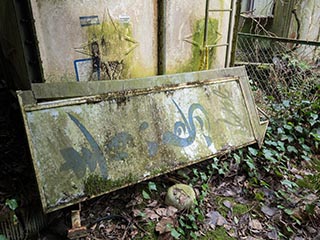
(197, 41)
(116, 44)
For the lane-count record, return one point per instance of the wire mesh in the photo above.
(277, 69)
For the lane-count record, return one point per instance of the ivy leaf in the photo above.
(299, 129)
(250, 164)
(12, 204)
(306, 158)
(237, 158)
(288, 127)
(253, 151)
(289, 183)
(316, 136)
(286, 103)
(288, 211)
(2, 237)
(145, 195)
(268, 154)
(152, 186)
(281, 146)
(292, 149)
(313, 118)
(175, 234)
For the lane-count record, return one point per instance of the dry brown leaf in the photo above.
(164, 225)
(153, 203)
(165, 236)
(136, 212)
(136, 201)
(229, 193)
(273, 235)
(227, 204)
(151, 214)
(268, 211)
(171, 211)
(255, 224)
(215, 219)
(162, 212)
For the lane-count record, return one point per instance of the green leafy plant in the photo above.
(312, 181)
(151, 187)
(189, 222)
(10, 206)
(292, 141)
(2, 237)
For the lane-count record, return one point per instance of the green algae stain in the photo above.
(197, 44)
(116, 44)
(95, 184)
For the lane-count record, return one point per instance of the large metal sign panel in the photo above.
(87, 146)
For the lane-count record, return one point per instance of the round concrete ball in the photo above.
(180, 196)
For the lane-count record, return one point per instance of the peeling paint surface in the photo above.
(133, 135)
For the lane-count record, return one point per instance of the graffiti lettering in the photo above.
(79, 162)
(187, 127)
(183, 135)
(117, 145)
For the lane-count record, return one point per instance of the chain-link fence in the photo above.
(277, 67)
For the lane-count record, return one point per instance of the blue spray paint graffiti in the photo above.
(183, 135)
(117, 145)
(187, 126)
(91, 158)
(151, 145)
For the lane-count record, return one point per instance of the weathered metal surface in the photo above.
(91, 145)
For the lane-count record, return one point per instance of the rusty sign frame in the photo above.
(33, 101)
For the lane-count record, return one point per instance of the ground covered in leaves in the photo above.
(232, 207)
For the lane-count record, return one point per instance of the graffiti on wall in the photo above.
(184, 134)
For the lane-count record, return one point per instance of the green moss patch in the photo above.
(219, 233)
(115, 42)
(197, 41)
(95, 184)
(237, 208)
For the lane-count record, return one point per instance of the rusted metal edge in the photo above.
(25, 96)
(229, 35)
(280, 39)
(124, 94)
(259, 128)
(63, 90)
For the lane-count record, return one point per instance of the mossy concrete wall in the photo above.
(185, 34)
(123, 25)
(126, 31)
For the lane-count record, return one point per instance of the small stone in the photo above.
(311, 230)
(180, 196)
(268, 211)
(227, 204)
(255, 224)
